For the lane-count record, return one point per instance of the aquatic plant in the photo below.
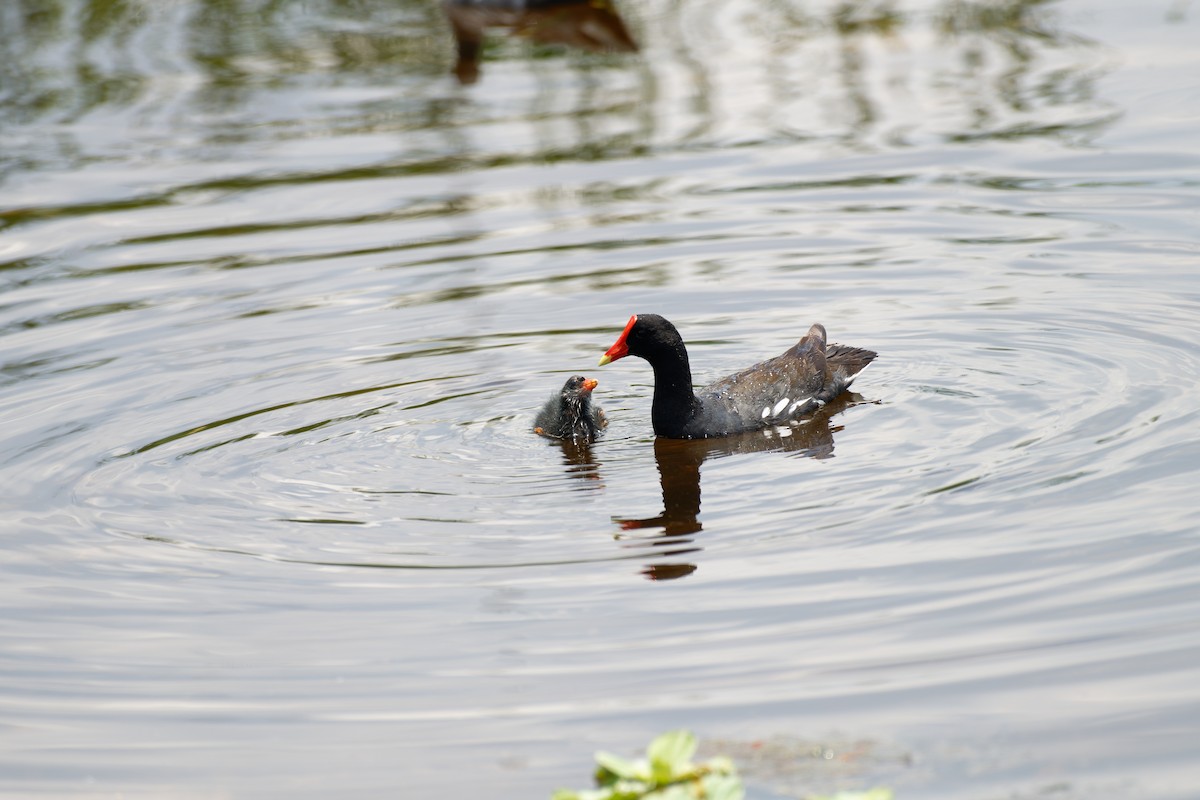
(870, 794)
(666, 773)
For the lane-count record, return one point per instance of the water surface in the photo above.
(279, 299)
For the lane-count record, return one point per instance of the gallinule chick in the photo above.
(803, 379)
(569, 414)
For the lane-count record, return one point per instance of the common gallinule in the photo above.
(803, 379)
(569, 414)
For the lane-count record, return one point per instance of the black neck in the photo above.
(674, 401)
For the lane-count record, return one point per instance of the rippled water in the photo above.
(279, 299)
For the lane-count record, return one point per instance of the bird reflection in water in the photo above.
(578, 458)
(592, 25)
(679, 462)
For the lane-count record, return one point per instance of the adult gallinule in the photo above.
(569, 414)
(803, 379)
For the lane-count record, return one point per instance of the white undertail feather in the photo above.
(851, 379)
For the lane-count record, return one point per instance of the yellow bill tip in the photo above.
(605, 359)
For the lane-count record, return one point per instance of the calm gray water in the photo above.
(279, 299)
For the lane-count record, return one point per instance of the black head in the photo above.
(578, 389)
(647, 336)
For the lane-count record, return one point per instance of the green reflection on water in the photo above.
(68, 56)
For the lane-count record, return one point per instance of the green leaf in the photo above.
(723, 787)
(586, 794)
(669, 774)
(618, 767)
(878, 793)
(677, 791)
(631, 790)
(608, 793)
(670, 755)
(722, 765)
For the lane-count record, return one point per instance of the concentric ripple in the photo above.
(279, 300)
